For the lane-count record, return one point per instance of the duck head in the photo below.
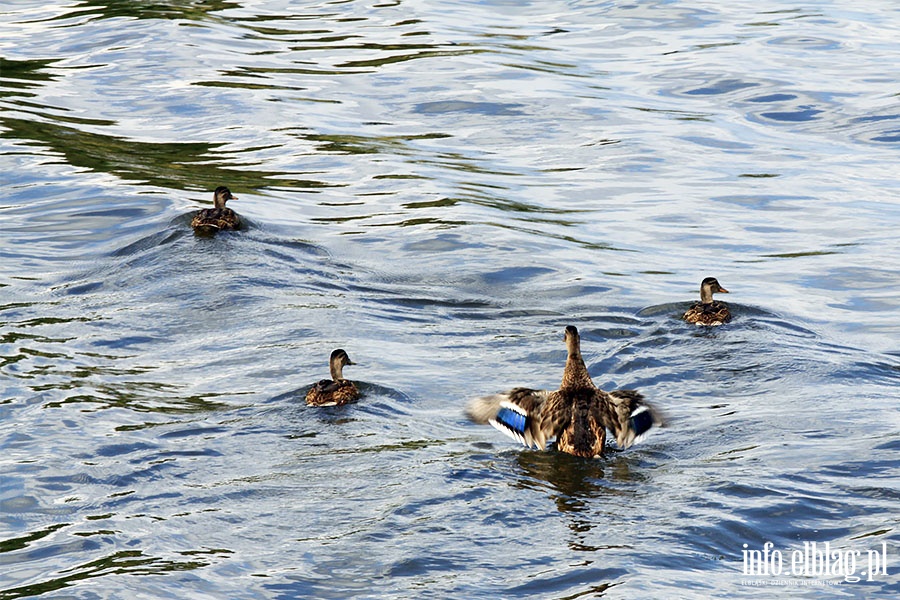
(573, 340)
(339, 360)
(221, 196)
(708, 287)
(575, 373)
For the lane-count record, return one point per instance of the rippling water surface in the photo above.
(440, 188)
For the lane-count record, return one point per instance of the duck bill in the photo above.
(723, 290)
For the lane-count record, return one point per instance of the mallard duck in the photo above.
(708, 311)
(337, 390)
(220, 217)
(577, 414)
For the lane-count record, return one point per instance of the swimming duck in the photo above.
(220, 217)
(708, 311)
(577, 414)
(336, 391)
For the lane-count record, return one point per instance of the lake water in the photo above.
(440, 188)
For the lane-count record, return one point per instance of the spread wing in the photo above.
(625, 414)
(519, 413)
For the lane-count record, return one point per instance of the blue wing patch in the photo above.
(640, 422)
(512, 420)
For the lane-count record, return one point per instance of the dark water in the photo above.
(440, 189)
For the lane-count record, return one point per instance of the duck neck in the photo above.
(337, 369)
(219, 201)
(706, 295)
(576, 373)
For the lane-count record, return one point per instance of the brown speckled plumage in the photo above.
(337, 390)
(708, 311)
(577, 414)
(332, 393)
(217, 218)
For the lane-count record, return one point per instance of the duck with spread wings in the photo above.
(577, 415)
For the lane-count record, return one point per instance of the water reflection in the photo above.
(93, 9)
(19, 75)
(189, 165)
(125, 562)
(572, 482)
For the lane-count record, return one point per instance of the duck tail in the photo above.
(205, 227)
